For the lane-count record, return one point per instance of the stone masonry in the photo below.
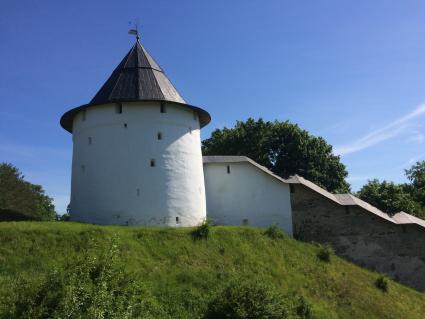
(374, 241)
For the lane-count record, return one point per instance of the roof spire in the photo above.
(135, 32)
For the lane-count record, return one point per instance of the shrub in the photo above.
(202, 231)
(382, 283)
(64, 217)
(325, 252)
(274, 232)
(92, 287)
(303, 308)
(246, 300)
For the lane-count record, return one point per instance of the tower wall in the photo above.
(138, 167)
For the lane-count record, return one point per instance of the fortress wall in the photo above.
(243, 194)
(360, 236)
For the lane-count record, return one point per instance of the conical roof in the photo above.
(137, 78)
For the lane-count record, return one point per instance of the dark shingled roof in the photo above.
(137, 78)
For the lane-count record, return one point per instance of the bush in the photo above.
(92, 287)
(325, 252)
(274, 232)
(382, 283)
(202, 231)
(64, 217)
(246, 300)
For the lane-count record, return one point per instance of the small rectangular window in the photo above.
(118, 108)
(159, 136)
(125, 125)
(163, 108)
(177, 220)
(90, 140)
(152, 163)
(84, 115)
(228, 169)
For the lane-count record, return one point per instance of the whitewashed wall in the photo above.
(112, 178)
(247, 195)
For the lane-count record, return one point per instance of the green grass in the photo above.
(184, 274)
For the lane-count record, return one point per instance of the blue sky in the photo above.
(350, 71)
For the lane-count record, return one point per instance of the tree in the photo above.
(282, 147)
(44, 204)
(416, 176)
(389, 197)
(21, 200)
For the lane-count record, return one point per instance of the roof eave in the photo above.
(68, 117)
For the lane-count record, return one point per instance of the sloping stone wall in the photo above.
(360, 236)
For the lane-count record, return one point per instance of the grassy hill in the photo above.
(41, 263)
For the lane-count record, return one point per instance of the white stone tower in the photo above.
(137, 150)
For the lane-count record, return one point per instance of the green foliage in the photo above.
(282, 147)
(393, 198)
(382, 283)
(46, 267)
(416, 176)
(45, 209)
(64, 217)
(91, 287)
(274, 232)
(388, 196)
(325, 252)
(21, 200)
(202, 231)
(303, 309)
(248, 300)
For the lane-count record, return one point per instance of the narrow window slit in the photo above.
(163, 108)
(152, 163)
(118, 108)
(138, 192)
(228, 169)
(125, 125)
(177, 220)
(159, 136)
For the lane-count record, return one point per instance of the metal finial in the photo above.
(135, 31)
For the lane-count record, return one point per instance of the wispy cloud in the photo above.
(382, 134)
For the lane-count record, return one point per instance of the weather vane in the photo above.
(135, 31)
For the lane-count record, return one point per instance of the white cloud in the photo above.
(382, 134)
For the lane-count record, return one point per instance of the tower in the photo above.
(137, 150)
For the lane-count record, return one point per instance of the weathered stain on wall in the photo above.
(360, 236)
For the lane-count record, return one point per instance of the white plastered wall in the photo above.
(112, 178)
(246, 195)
